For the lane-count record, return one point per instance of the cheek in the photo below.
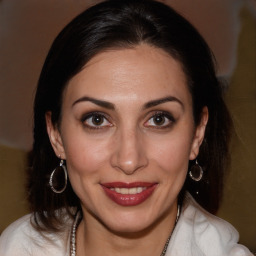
(85, 161)
(172, 153)
(84, 155)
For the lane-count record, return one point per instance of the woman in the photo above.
(129, 127)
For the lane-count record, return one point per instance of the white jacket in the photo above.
(197, 233)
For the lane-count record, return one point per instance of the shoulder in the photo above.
(205, 234)
(15, 238)
(22, 239)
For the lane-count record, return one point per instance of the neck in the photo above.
(93, 238)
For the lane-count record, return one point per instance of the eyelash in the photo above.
(95, 114)
(167, 118)
(166, 115)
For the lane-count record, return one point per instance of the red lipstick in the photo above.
(129, 194)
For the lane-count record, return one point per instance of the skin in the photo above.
(127, 145)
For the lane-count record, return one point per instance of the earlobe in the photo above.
(199, 134)
(54, 136)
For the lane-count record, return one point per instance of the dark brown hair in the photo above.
(125, 24)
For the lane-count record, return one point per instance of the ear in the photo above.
(199, 134)
(54, 136)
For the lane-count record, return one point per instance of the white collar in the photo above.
(199, 233)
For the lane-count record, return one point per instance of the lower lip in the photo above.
(127, 199)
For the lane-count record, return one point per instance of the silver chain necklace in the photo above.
(78, 218)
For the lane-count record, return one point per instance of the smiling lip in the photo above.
(129, 194)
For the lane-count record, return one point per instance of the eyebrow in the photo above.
(101, 103)
(156, 102)
(109, 105)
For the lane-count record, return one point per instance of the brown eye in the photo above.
(95, 121)
(159, 120)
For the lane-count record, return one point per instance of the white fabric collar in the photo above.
(199, 233)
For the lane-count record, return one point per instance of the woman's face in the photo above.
(127, 134)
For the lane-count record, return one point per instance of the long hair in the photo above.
(119, 25)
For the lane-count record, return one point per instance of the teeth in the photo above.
(128, 191)
(133, 191)
(140, 189)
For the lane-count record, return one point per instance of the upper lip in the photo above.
(119, 184)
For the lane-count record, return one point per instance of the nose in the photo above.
(129, 153)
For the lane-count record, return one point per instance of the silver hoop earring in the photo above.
(64, 169)
(196, 172)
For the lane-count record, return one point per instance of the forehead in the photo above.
(139, 73)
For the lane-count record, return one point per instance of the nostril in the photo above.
(132, 165)
(128, 155)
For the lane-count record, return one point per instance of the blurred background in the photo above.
(27, 30)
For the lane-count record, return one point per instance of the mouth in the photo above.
(129, 194)
(129, 191)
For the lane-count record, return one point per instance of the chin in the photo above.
(129, 223)
(126, 229)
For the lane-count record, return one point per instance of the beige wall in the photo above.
(12, 185)
(239, 206)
